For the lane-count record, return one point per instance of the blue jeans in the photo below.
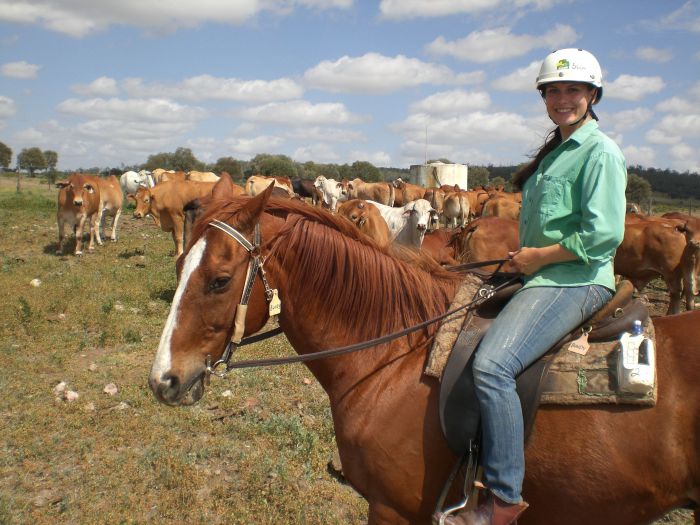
(529, 325)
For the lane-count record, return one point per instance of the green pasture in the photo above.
(255, 450)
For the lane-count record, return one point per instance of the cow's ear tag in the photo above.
(580, 346)
(275, 303)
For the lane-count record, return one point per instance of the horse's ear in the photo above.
(251, 211)
(223, 189)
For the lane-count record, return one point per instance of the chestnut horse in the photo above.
(595, 464)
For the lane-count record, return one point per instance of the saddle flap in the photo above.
(459, 408)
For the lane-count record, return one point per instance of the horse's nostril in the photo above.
(170, 381)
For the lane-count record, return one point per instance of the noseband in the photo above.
(255, 265)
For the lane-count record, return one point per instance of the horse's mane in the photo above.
(346, 279)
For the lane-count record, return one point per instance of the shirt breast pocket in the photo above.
(555, 194)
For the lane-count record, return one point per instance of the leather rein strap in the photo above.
(256, 264)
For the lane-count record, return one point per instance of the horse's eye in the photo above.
(219, 283)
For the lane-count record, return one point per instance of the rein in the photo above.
(256, 264)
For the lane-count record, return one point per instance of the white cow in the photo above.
(130, 181)
(332, 191)
(409, 223)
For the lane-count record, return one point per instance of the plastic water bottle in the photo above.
(636, 365)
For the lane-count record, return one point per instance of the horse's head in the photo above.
(212, 275)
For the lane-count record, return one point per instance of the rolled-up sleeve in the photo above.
(602, 223)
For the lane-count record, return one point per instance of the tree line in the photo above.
(642, 182)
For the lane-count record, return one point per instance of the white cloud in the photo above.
(100, 87)
(655, 136)
(686, 17)
(316, 153)
(207, 87)
(695, 89)
(246, 148)
(137, 135)
(685, 125)
(639, 155)
(523, 79)
(498, 44)
(30, 135)
(630, 87)
(79, 18)
(403, 9)
(377, 158)
(470, 128)
(685, 155)
(130, 111)
(20, 69)
(373, 73)
(8, 108)
(676, 105)
(452, 102)
(325, 134)
(630, 119)
(299, 112)
(653, 54)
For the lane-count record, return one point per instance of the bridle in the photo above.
(255, 266)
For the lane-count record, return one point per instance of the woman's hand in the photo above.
(529, 260)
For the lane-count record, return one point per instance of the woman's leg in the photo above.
(529, 325)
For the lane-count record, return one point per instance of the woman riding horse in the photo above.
(571, 223)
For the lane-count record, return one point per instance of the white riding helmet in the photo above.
(571, 65)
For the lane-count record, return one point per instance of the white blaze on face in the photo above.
(162, 362)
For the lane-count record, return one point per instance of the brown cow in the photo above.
(381, 192)
(78, 203)
(486, 239)
(505, 207)
(196, 207)
(477, 198)
(165, 202)
(436, 198)
(202, 176)
(690, 262)
(84, 197)
(406, 192)
(258, 183)
(368, 220)
(169, 176)
(456, 208)
(649, 249)
(440, 246)
(684, 218)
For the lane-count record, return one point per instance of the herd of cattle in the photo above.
(452, 225)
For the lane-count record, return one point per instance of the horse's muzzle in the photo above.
(171, 391)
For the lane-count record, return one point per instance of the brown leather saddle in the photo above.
(459, 409)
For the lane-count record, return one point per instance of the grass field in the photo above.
(255, 450)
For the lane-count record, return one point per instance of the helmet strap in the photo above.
(589, 109)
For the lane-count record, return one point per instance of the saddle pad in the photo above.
(449, 329)
(591, 379)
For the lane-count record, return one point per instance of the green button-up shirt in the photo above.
(576, 198)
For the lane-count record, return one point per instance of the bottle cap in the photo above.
(637, 327)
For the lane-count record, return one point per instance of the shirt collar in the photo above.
(581, 134)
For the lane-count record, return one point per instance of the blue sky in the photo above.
(106, 83)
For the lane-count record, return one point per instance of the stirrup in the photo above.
(470, 458)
